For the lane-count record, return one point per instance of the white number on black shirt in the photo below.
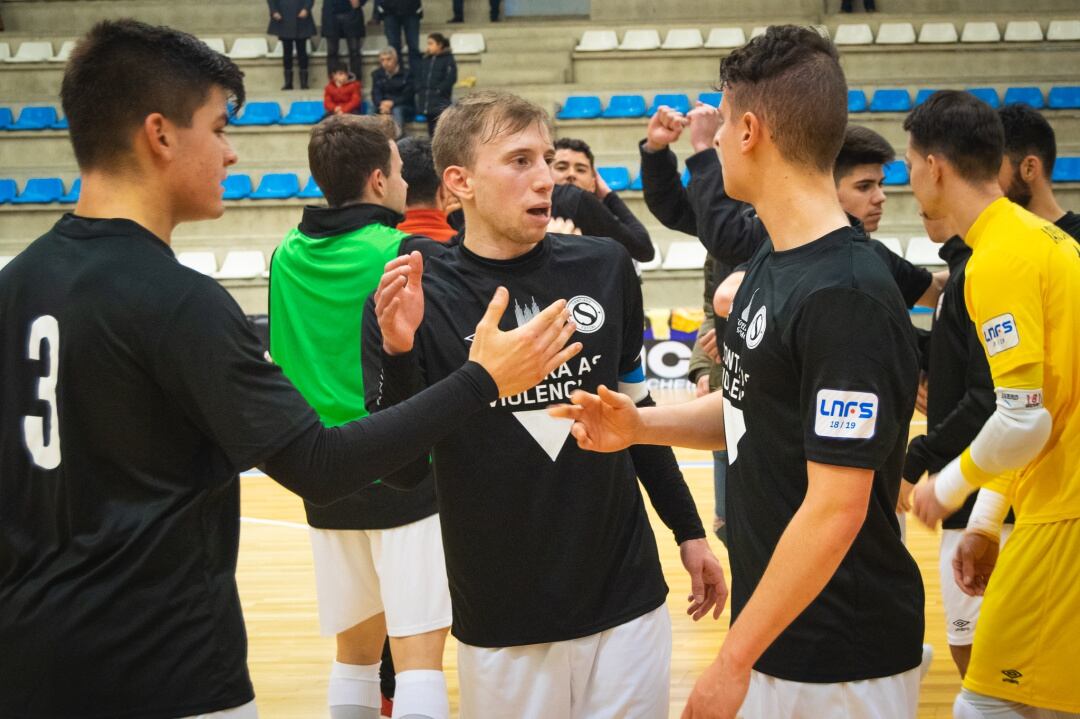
(45, 450)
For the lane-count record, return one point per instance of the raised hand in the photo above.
(517, 360)
(399, 302)
(704, 122)
(562, 226)
(665, 127)
(604, 422)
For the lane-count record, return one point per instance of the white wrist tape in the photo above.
(988, 514)
(950, 487)
(1015, 433)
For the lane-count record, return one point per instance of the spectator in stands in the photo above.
(1030, 153)
(425, 200)
(392, 89)
(574, 169)
(342, 93)
(402, 16)
(343, 19)
(435, 83)
(459, 11)
(868, 5)
(291, 22)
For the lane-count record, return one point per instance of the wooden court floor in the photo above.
(290, 662)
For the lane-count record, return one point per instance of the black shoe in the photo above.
(455, 21)
(303, 80)
(288, 80)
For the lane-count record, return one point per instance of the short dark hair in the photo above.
(1028, 133)
(418, 169)
(442, 40)
(576, 145)
(479, 118)
(343, 152)
(123, 70)
(791, 78)
(963, 129)
(862, 146)
(338, 67)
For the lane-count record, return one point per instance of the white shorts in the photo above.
(961, 611)
(400, 571)
(244, 711)
(624, 671)
(894, 697)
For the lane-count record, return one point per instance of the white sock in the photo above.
(354, 691)
(421, 693)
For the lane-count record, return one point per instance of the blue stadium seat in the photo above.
(311, 190)
(1067, 169)
(61, 124)
(420, 118)
(685, 177)
(891, 101)
(617, 178)
(711, 98)
(8, 190)
(856, 101)
(636, 184)
(1064, 98)
(674, 101)
(237, 187)
(35, 118)
(277, 186)
(625, 106)
(259, 113)
(922, 95)
(304, 112)
(6, 118)
(72, 195)
(582, 107)
(987, 94)
(1024, 95)
(895, 173)
(40, 190)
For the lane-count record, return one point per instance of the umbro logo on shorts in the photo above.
(962, 625)
(1011, 676)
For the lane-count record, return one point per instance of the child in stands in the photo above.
(342, 93)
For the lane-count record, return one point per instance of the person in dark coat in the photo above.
(435, 84)
(459, 11)
(392, 89)
(343, 19)
(402, 16)
(292, 23)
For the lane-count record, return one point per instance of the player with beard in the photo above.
(1030, 152)
(558, 593)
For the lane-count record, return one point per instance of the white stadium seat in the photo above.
(316, 48)
(467, 43)
(1063, 30)
(1023, 31)
(249, 48)
(64, 52)
(923, 251)
(896, 33)
(278, 51)
(5, 51)
(4, 259)
(938, 32)
(858, 34)
(203, 262)
(36, 51)
(758, 31)
(598, 41)
(980, 32)
(684, 256)
(893, 244)
(683, 39)
(242, 265)
(217, 44)
(640, 40)
(726, 37)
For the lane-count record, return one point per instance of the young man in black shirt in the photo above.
(1030, 152)
(133, 391)
(557, 589)
(820, 370)
(575, 168)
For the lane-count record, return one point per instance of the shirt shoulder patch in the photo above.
(845, 415)
(1000, 334)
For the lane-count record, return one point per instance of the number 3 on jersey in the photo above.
(45, 451)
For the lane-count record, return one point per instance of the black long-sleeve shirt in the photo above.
(609, 217)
